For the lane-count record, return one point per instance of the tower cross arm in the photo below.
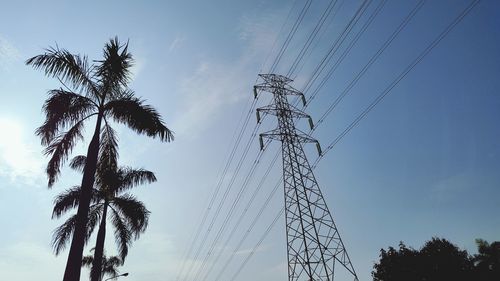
(287, 90)
(292, 111)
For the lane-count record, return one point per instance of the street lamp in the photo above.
(124, 274)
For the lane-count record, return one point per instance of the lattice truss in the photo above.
(314, 243)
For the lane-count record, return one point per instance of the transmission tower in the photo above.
(314, 243)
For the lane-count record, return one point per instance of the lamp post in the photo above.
(124, 274)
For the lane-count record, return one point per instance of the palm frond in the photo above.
(134, 177)
(62, 234)
(114, 70)
(63, 109)
(114, 261)
(66, 201)
(123, 236)
(134, 212)
(108, 151)
(94, 218)
(68, 67)
(143, 119)
(60, 148)
(107, 180)
(78, 163)
(87, 261)
(110, 266)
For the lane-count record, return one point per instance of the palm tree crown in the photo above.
(106, 96)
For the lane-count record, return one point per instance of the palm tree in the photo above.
(128, 216)
(109, 265)
(487, 260)
(89, 90)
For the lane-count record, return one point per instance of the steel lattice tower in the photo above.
(314, 243)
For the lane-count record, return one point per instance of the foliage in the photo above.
(437, 260)
(487, 261)
(109, 265)
(128, 216)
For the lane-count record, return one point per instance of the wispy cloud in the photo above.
(215, 84)
(8, 53)
(259, 31)
(138, 66)
(447, 189)
(261, 248)
(155, 257)
(209, 89)
(17, 262)
(176, 43)
(19, 159)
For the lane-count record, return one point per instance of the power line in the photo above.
(256, 247)
(276, 39)
(319, 38)
(312, 36)
(219, 184)
(372, 60)
(336, 44)
(242, 215)
(226, 193)
(347, 50)
(400, 77)
(231, 211)
(250, 228)
(351, 44)
(291, 34)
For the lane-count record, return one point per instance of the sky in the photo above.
(423, 163)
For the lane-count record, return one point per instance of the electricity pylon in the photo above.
(314, 243)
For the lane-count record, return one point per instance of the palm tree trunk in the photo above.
(96, 270)
(74, 263)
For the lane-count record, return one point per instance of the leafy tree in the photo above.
(437, 260)
(441, 260)
(401, 264)
(128, 216)
(487, 261)
(96, 90)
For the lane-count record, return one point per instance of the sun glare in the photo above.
(15, 152)
(11, 132)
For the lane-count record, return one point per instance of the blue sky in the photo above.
(423, 163)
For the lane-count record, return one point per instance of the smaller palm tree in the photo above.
(487, 261)
(109, 265)
(128, 215)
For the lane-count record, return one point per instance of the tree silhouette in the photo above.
(487, 261)
(401, 264)
(128, 216)
(109, 265)
(89, 90)
(437, 260)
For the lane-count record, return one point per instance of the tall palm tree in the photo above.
(109, 265)
(128, 216)
(89, 90)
